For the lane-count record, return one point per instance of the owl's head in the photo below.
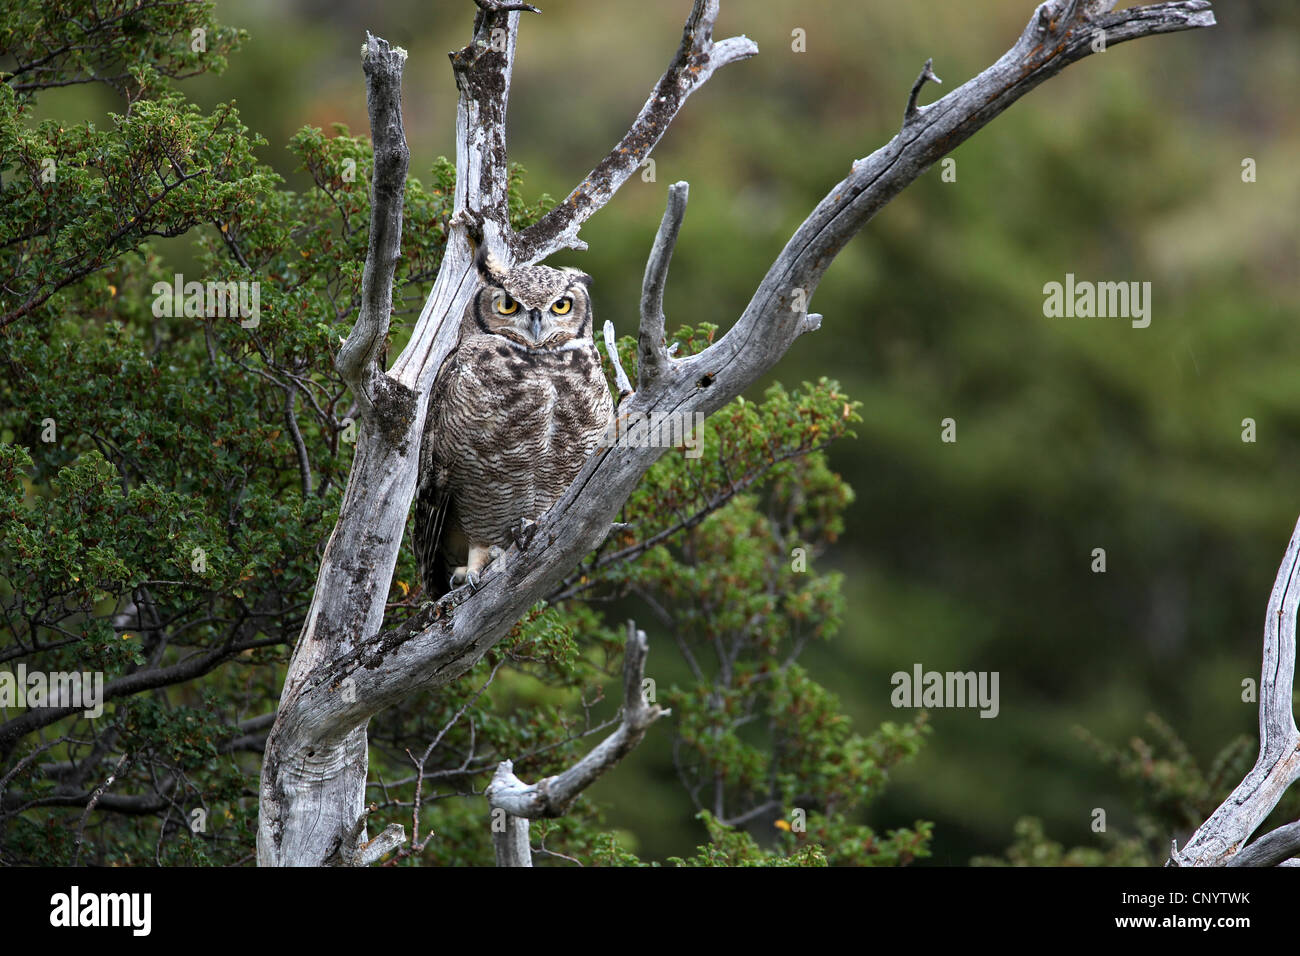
(534, 306)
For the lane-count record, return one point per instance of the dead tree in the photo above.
(346, 666)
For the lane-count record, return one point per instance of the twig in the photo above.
(94, 799)
(927, 73)
(300, 447)
(611, 349)
(752, 813)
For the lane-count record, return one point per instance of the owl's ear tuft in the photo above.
(488, 265)
(578, 275)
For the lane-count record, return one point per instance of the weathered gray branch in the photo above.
(621, 380)
(1271, 849)
(1222, 837)
(553, 796)
(354, 850)
(359, 359)
(652, 355)
(695, 61)
(392, 836)
(483, 71)
(345, 668)
(312, 793)
(510, 842)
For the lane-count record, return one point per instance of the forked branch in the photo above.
(696, 59)
(553, 796)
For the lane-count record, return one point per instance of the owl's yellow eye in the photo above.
(507, 305)
(562, 306)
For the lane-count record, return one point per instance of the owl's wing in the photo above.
(437, 526)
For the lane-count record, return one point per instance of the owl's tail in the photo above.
(437, 535)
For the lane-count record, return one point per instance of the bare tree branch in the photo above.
(652, 356)
(1271, 849)
(753, 813)
(358, 360)
(1222, 837)
(94, 799)
(299, 446)
(620, 376)
(481, 210)
(695, 61)
(510, 841)
(392, 836)
(552, 796)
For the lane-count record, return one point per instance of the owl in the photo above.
(515, 410)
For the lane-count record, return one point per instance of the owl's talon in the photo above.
(463, 576)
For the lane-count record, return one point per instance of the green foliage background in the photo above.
(1072, 434)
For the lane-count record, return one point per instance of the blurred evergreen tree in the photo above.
(1174, 796)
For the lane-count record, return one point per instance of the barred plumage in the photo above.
(515, 411)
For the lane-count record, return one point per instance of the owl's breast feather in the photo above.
(530, 417)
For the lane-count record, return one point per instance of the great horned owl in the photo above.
(515, 411)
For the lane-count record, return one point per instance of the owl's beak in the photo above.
(535, 324)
